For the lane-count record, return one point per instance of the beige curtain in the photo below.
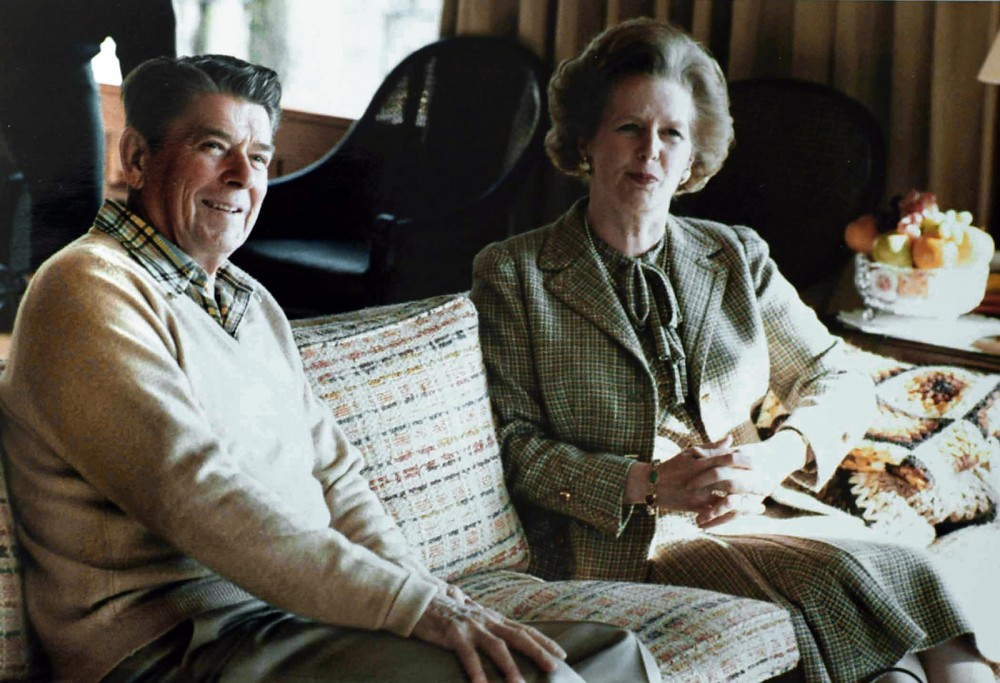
(914, 64)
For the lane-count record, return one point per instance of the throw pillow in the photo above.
(407, 384)
(926, 464)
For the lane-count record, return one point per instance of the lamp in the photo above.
(990, 71)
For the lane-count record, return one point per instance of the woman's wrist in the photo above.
(637, 483)
(792, 445)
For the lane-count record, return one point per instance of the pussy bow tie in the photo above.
(650, 301)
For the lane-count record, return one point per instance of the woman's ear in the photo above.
(134, 152)
(586, 167)
(686, 176)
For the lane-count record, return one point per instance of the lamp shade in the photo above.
(990, 71)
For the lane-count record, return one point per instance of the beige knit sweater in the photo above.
(160, 467)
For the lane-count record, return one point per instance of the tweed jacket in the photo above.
(573, 394)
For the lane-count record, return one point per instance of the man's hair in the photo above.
(159, 90)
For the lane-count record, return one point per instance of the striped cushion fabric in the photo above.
(14, 659)
(695, 635)
(407, 384)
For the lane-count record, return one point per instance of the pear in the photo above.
(893, 248)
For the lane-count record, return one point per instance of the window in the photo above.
(331, 54)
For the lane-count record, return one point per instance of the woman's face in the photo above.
(642, 148)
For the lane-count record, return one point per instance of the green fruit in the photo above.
(893, 248)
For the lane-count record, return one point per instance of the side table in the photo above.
(972, 340)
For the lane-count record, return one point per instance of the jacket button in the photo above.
(565, 497)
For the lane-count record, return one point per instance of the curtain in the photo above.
(913, 64)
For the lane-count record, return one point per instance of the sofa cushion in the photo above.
(695, 635)
(407, 384)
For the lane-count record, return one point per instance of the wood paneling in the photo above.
(302, 138)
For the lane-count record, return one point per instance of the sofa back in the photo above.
(407, 384)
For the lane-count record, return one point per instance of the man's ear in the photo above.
(134, 152)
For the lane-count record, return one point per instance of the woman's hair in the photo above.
(158, 91)
(580, 88)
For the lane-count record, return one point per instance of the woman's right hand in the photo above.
(674, 474)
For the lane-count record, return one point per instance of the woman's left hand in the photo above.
(739, 481)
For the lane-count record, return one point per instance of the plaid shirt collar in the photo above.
(175, 270)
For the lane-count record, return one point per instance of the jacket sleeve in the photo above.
(830, 403)
(541, 470)
(110, 397)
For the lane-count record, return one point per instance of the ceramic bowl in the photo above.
(923, 292)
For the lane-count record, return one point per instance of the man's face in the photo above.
(203, 188)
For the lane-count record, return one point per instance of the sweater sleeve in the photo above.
(354, 508)
(103, 385)
(831, 405)
(542, 470)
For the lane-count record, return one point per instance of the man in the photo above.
(189, 510)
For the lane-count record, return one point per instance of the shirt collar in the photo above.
(170, 266)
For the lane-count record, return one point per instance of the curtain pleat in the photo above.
(813, 40)
(960, 44)
(701, 21)
(913, 64)
(908, 128)
(534, 25)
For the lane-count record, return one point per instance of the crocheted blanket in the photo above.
(927, 464)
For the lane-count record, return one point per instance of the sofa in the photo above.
(407, 384)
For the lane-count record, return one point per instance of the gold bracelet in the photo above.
(652, 509)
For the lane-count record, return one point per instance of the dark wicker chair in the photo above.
(808, 159)
(423, 180)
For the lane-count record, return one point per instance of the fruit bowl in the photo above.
(925, 292)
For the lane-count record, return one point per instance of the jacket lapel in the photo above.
(700, 276)
(576, 276)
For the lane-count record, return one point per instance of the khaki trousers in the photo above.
(255, 642)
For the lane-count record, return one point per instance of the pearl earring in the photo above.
(585, 166)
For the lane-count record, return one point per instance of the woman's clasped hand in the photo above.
(719, 480)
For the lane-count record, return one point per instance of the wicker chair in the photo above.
(422, 181)
(807, 160)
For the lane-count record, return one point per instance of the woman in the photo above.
(627, 350)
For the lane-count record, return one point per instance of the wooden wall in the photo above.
(302, 138)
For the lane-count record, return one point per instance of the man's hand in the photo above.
(467, 628)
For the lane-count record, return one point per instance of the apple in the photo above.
(860, 234)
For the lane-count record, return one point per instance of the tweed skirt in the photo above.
(857, 605)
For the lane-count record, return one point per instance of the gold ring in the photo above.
(718, 493)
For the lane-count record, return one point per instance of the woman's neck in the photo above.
(631, 234)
